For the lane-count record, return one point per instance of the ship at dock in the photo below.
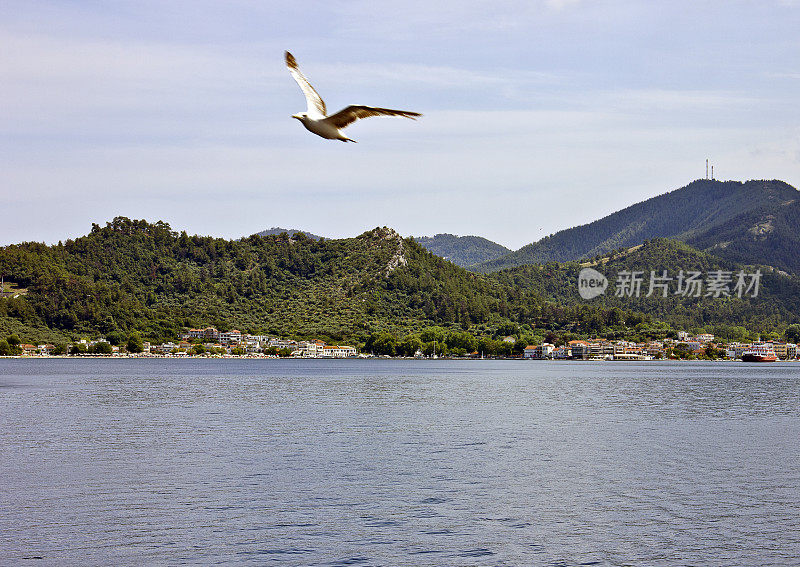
(759, 352)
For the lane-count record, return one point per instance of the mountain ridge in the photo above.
(685, 213)
(463, 251)
(275, 230)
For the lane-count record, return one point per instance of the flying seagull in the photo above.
(316, 119)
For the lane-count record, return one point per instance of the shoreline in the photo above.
(267, 357)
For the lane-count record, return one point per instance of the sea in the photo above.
(398, 462)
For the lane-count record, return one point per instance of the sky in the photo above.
(539, 115)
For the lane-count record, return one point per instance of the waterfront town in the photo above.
(210, 342)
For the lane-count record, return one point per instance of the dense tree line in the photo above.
(131, 276)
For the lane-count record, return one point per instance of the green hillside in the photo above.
(769, 234)
(134, 275)
(777, 302)
(131, 275)
(462, 250)
(686, 213)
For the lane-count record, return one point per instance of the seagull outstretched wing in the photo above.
(316, 106)
(352, 113)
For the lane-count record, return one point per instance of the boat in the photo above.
(759, 352)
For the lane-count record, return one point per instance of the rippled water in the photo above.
(399, 463)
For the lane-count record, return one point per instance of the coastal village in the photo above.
(684, 347)
(210, 342)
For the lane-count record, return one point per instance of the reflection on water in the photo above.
(399, 462)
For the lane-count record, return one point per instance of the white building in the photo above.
(283, 343)
(735, 350)
(208, 334)
(333, 351)
(561, 353)
(232, 337)
(309, 349)
(538, 352)
(781, 350)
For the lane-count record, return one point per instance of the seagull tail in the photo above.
(347, 140)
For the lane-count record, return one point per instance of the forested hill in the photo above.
(777, 302)
(275, 230)
(462, 250)
(134, 275)
(687, 213)
(769, 235)
(131, 275)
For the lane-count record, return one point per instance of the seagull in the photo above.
(316, 119)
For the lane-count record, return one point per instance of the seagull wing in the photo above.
(316, 106)
(352, 113)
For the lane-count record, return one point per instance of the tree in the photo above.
(13, 340)
(504, 348)
(101, 347)
(78, 348)
(793, 333)
(461, 340)
(382, 343)
(198, 349)
(5, 348)
(115, 338)
(508, 329)
(487, 346)
(431, 348)
(430, 334)
(409, 345)
(135, 343)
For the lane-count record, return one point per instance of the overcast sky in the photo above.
(538, 115)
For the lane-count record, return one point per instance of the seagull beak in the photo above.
(296, 116)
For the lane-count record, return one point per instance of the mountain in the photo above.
(770, 234)
(777, 300)
(290, 231)
(132, 275)
(689, 213)
(462, 250)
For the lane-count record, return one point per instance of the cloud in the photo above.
(784, 75)
(428, 75)
(561, 4)
(181, 111)
(114, 92)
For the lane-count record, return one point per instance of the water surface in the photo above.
(399, 462)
